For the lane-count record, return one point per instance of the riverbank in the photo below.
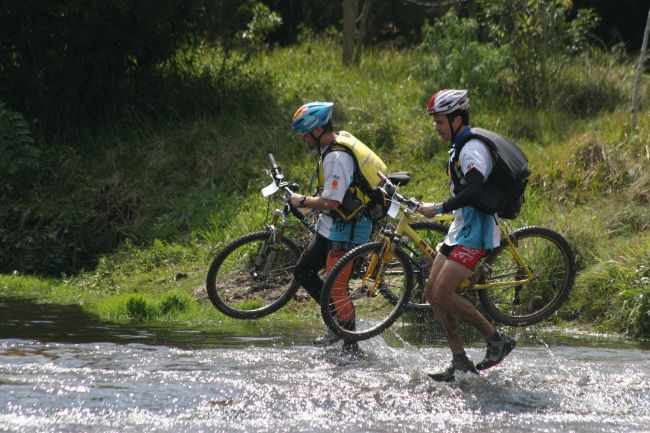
(170, 193)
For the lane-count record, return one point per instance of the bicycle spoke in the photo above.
(368, 304)
(552, 264)
(237, 283)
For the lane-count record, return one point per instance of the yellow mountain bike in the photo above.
(522, 282)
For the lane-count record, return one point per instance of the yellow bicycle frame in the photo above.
(404, 230)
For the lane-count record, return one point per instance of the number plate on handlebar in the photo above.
(270, 189)
(393, 210)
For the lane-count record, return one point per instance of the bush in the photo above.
(452, 57)
(69, 62)
(538, 37)
(140, 308)
(173, 303)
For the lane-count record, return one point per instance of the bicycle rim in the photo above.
(351, 310)
(247, 280)
(552, 262)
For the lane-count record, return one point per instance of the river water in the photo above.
(62, 371)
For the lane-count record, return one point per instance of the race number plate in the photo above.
(393, 210)
(270, 189)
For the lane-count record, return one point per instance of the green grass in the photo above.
(190, 186)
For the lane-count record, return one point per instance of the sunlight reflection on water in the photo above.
(75, 374)
(135, 387)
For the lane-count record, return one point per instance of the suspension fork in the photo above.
(384, 256)
(266, 255)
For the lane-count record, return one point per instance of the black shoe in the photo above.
(351, 348)
(463, 365)
(326, 340)
(496, 351)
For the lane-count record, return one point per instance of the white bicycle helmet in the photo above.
(447, 101)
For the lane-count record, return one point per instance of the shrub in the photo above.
(175, 303)
(538, 37)
(615, 290)
(69, 61)
(452, 57)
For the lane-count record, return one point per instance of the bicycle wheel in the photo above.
(433, 233)
(552, 262)
(350, 310)
(249, 279)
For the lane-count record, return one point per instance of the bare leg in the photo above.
(448, 306)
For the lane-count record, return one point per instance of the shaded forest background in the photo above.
(80, 78)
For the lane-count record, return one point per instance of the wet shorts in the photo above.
(467, 257)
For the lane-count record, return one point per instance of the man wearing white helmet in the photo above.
(471, 235)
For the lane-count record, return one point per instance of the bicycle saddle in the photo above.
(400, 178)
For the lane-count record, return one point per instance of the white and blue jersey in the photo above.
(472, 228)
(338, 170)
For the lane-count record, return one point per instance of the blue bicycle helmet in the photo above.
(312, 115)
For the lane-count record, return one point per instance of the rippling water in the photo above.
(271, 384)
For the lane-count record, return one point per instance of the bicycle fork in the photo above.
(266, 255)
(380, 259)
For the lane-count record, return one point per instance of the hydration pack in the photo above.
(359, 195)
(503, 192)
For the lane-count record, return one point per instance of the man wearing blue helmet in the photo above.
(339, 225)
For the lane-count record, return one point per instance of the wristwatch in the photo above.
(302, 200)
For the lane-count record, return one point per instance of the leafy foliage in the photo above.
(453, 57)
(538, 36)
(19, 154)
(72, 61)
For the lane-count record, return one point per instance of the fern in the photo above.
(19, 154)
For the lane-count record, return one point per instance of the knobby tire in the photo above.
(552, 262)
(235, 286)
(372, 315)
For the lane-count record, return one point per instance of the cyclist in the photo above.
(335, 234)
(471, 235)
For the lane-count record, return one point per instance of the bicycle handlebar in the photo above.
(276, 171)
(391, 190)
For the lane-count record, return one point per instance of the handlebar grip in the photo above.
(381, 175)
(272, 159)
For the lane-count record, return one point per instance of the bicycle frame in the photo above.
(404, 230)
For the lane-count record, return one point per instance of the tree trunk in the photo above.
(350, 11)
(361, 34)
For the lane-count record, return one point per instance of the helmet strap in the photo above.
(311, 133)
(454, 132)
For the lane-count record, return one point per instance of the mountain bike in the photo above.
(522, 282)
(252, 276)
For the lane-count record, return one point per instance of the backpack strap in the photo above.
(357, 177)
(455, 171)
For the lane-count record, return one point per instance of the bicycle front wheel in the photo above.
(362, 295)
(552, 262)
(253, 276)
(432, 233)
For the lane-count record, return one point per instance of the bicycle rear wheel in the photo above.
(350, 310)
(251, 277)
(552, 262)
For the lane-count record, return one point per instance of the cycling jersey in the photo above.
(472, 228)
(338, 169)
